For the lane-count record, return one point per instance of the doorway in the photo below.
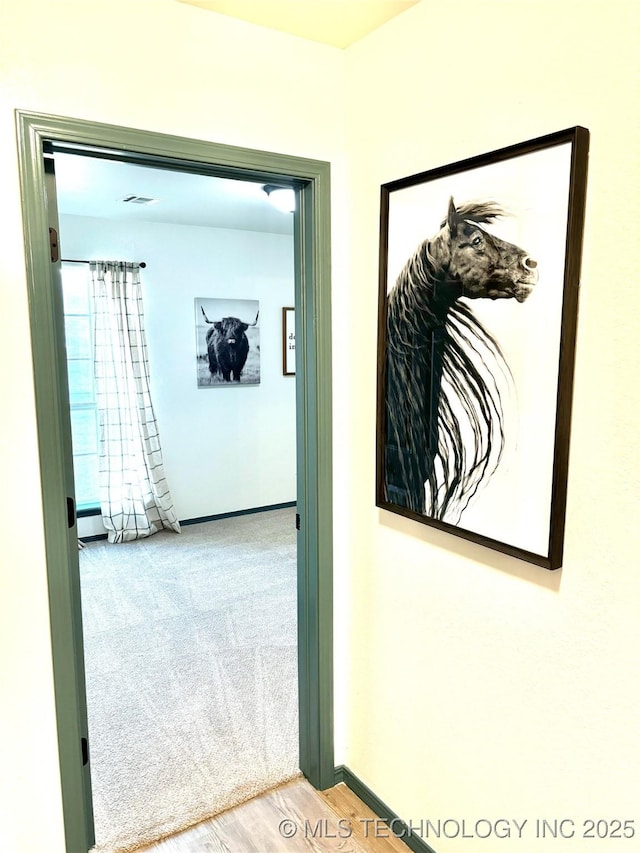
(38, 133)
(190, 640)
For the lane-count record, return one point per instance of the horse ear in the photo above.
(452, 217)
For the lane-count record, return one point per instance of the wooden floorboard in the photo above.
(367, 827)
(333, 821)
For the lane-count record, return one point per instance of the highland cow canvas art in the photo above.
(228, 342)
(479, 265)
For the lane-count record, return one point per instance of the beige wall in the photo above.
(483, 687)
(157, 65)
(480, 686)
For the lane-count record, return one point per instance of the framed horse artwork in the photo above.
(478, 299)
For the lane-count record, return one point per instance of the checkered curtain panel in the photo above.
(134, 495)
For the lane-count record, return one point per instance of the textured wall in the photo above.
(150, 64)
(483, 687)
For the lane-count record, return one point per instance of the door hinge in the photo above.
(297, 521)
(71, 512)
(84, 743)
(54, 245)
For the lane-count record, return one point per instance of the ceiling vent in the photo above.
(139, 199)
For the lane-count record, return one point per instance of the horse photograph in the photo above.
(472, 280)
(431, 337)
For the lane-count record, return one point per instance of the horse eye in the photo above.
(476, 240)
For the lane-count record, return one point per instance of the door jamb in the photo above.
(314, 449)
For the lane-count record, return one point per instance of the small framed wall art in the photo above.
(288, 341)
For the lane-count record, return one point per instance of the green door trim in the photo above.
(311, 178)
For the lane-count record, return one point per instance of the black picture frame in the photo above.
(288, 341)
(476, 356)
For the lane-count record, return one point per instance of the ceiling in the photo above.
(336, 22)
(89, 186)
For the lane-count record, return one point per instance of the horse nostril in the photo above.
(529, 263)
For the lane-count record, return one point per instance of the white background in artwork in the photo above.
(514, 507)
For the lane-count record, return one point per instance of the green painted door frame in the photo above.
(311, 178)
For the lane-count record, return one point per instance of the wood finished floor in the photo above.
(255, 826)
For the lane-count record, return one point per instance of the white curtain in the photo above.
(134, 495)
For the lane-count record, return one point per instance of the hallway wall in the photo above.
(482, 686)
(150, 64)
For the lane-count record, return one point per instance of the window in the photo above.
(84, 421)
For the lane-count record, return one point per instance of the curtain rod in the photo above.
(142, 264)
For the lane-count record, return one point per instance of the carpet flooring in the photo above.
(190, 658)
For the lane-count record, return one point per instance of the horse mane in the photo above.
(482, 212)
(445, 356)
(470, 399)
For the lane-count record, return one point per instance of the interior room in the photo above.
(201, 238)
(467, 683)
(229, 465)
